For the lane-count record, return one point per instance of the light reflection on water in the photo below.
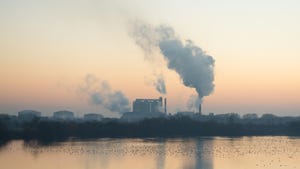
(187, 153)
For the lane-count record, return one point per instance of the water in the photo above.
(187, 153)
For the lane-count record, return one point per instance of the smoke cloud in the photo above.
(100, 93)
(193, 103)
(146, 38)
(194, 66)
(158, 81)
(160, 84)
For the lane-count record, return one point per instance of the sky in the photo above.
(47, 48)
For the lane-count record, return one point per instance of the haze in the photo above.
(47, 48)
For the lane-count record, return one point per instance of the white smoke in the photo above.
(193, 103)
(100, 93)
(194, 66)
(160, 84)
(146, 38)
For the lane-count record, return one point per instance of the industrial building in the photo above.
(186, 113)
(149, 105)
(63, 115)
(92, 117)
(146, 108)
(28, 115)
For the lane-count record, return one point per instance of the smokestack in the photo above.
(160, 101)
(200, 109)
(166, 105)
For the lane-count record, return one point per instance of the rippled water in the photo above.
(188, 153)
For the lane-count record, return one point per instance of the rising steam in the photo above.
(146, 38)
(100, 93)
(160, 84)
(194, 66)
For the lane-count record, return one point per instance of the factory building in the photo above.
(63, 115)
(146, 108)
(150, 105)
(147, 105)
(93, 117)
(186, 113)
(28, 115)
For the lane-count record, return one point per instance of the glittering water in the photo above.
(187, 153)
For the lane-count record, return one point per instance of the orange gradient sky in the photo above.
(48, 47)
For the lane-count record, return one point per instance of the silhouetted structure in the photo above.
(145, 108)
(28, 115)
(147, 105)
(186, 113)
(200, 109)
(92, 117)
(165, 105)
(63, 115)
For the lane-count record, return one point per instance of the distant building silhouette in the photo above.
(92, 117)
(63, 115)
(186, 113)
(146, 108)
(147, 105)
(28, 115)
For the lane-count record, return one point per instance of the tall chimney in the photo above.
(160, 101)
(165, 105)
(200, 109)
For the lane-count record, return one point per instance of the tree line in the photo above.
(155, 127)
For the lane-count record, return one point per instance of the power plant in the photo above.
(152, 108)
(150, 105)
(146, 108)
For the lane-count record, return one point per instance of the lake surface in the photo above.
(187, 153)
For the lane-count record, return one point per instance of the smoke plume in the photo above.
(146, 38)
(193, 103)
(160, 84)
(100, 93)
(194, 66)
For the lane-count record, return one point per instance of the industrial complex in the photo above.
(146, 108)
(141, 108)
(149, 105)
